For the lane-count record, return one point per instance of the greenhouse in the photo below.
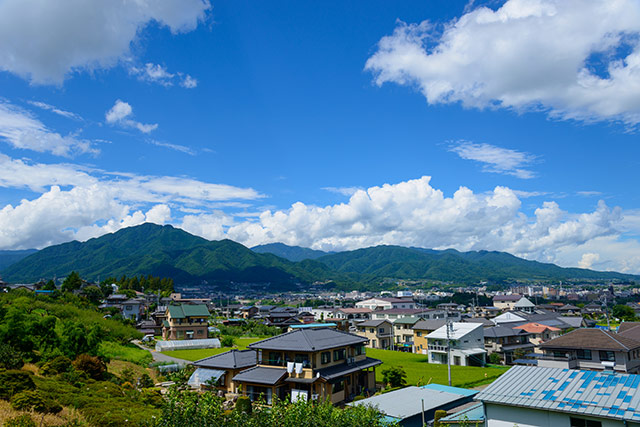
(187, 344)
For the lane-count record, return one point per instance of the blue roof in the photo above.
(472, 414)
(314, 325)
(592, 393)
(452, 390)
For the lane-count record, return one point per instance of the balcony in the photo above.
(434, 347)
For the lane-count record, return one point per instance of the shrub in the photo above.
(145, 381)
(243, 405)
(394, 376)
(439, 415)
(56, 366)
(227, 341)
(92, 366)
(13, 381)
(32, 400)
(10, 358)
(23, 420)
(495, 358)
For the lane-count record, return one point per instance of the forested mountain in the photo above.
(166, 251)
(292, 253)
(11, 257)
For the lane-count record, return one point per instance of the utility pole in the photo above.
(448, 327)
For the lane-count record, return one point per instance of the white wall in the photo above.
(510, 416)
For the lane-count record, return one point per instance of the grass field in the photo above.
(420, 371)
(201, 353)
(130, 353)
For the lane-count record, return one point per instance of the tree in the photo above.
(92, 366)
(624, 312)
(49, 286)
(495, 358)
(93, 294)
(72, 283)
(394, 376)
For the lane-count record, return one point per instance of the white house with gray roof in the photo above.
(466, 343)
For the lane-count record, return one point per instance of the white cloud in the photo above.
(22, 130)
(575, 59)
(526, 194)
(120, 114)
(496, 159)
(153, 73)
(189, 82)
(589, 193)
(176, 147)
(588, 259)
(44, 41)
(58, 111)
(345, 191)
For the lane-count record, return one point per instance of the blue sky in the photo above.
(475, 125)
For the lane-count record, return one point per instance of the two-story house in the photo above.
(591, 349)
(539, 333)
(309, 364)
(186, 321)
(506, 302)
(506, 342)
(221, 368)
(378, 332)
(386, 303)
(421, 330)
(403, 333)
(464, 341)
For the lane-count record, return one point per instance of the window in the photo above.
(584, 354)
(607, 356)
(360, 350)
(419, 334)
(579, 422)
(372, 330)
(339, 354)
(302, 358)
(275, 359)
(380, 330)
(337, 387)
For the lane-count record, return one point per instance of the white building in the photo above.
(466, 342)
(386, 303)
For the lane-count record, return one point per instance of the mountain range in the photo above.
(170, 252)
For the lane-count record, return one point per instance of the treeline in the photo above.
(142, 283)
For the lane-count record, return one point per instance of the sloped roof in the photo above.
(524, 303)
(188, 310)
(589, 393)
(625, 326)
(261, 375)
(232, 359)
(507, 298)
(535, 328)
(409, 320)
(459, 330)
(309, 340)
(373, 323)
(337, 371)
(592, 339)
(630, 330)
(429, 324)
(502, 331)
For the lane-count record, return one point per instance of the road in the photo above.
(159, 357)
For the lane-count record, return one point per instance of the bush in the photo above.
(10, 358)
(243, 405)
(13, 381)
(145, 381)
(394, 376)
(227, 341)
(23, 420)
(495, 358)
(32, 400)
(92, 366)
(56, 366)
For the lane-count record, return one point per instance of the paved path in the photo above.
(159, 357)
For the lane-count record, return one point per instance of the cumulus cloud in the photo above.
(121, 113)
(23, 130)
(189, 82)
(588, 259)
(574, 59)
(496, 159)
(45, 41)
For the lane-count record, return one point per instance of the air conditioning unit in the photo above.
(351, 360)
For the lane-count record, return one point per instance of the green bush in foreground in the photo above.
(12, 382)
(23, 420)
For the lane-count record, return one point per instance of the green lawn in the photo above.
(198, 354)
(129, 353)
(420, 371)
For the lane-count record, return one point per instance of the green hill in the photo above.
(162, 251)
(11, 257)
(292, 253)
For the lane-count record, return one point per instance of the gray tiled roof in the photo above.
(592, 339)
(261, 375)
(502, 331)
(314, 339)
(589, 393)
(232, 359)
(373, 323)
(429, 324)
(344, 368)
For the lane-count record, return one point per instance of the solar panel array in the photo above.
(596, 393)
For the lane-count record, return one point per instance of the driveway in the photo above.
(159, 357)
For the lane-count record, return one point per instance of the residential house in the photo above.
(378, 332)
(539, 333)
(507, 343)
(524, 305)
(248, 311)
(505, 302)
(546, 397)
(403, 333)
(386, 303)
(133, 308)
(416, 406)
(310, 364)
(322, 313)
(221, 368)
(630, 330)
(423, 328)
(465, 344)
(423, 313)
(186, 321)
(352, 313)
(592, 308)
(591, 349)
(569, 309)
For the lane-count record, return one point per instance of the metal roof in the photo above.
(201, 376)
(471, 414)
(232, 359)
(187, 310)
(503, 331)
(592, 393)
(407, 402)
(261, 375)
(309, 340)
(429, 324)
(409, 320)
(458, 330)
(449, 389)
